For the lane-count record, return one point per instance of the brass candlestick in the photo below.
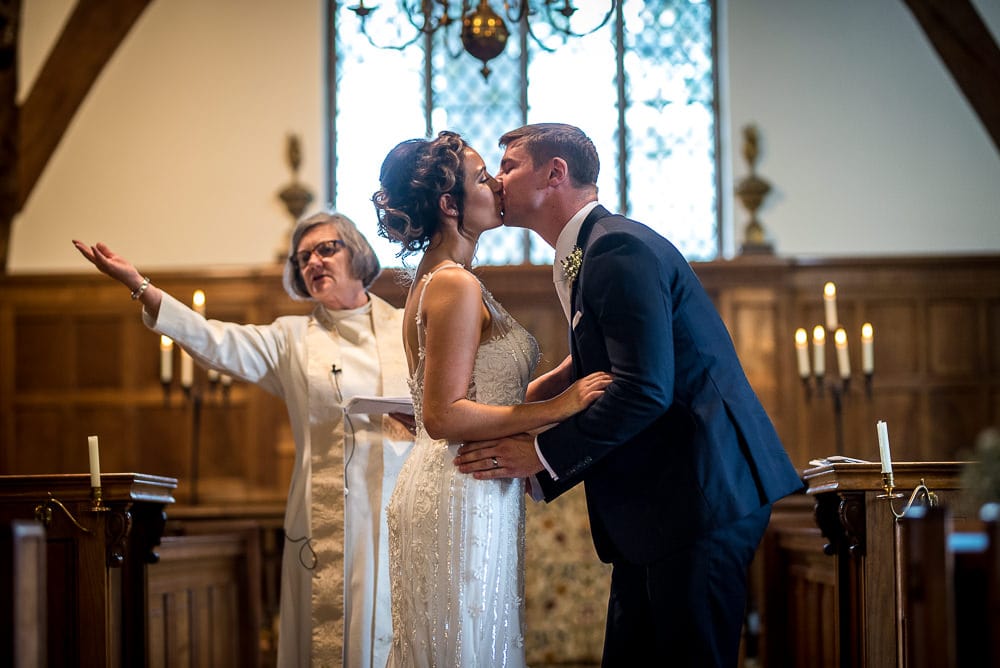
(97, 501)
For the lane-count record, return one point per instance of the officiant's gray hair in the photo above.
(364, 263)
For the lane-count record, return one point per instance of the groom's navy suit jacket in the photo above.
(679, 444)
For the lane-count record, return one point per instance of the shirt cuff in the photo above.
(541, 458)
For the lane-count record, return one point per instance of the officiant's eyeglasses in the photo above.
(323, 249)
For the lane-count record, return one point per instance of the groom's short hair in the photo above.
(544, 141)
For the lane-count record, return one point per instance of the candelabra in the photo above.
(817, 377)
(194, 388)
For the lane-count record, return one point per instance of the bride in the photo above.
(455, 543)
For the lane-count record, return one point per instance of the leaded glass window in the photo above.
(643, 87)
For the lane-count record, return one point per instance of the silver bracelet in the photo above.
(142, 288)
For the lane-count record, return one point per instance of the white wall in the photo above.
(868, 143)
(176, 156)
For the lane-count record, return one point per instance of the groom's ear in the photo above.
(558, 171)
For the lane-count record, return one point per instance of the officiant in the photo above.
(335, 605)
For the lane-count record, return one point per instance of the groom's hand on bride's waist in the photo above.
(510, 457)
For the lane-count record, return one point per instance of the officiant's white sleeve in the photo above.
(249, 352)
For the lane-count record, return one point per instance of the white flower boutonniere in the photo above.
(571, 264)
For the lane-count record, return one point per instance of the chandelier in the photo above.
(484, 32)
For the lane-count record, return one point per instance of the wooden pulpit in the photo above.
(863, 536)
(96, 559)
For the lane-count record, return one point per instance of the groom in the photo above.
(679, 460)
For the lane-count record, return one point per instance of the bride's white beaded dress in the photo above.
(456, 544)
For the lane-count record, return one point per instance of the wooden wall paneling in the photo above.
(99, 351)
(954, 338)
(57, 389)
(38, 439)
(904, 411)
(204, 597)
(991, 339)
(44, 354)
(955, 415)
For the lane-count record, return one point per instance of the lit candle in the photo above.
(802, 350)
(166, 359)
(867, 348)
(830, 305)
(883, 446)
(198, 301)
(843, 358)
(187, 370)
(819, 351)
(95, 462)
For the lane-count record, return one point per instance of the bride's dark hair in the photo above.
(414, 175)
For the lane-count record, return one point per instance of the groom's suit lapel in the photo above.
(582, 239)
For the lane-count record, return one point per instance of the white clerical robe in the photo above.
(314, 363)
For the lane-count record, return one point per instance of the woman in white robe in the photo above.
(335, 605)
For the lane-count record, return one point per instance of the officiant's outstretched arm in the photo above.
(679, 459)
(332, 265)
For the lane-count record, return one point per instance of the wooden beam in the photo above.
(92, 34)
(10, 19)
(969, 51)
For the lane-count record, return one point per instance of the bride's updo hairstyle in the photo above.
(414, 176)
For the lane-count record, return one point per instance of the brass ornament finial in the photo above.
(295, 196)
(751, 191)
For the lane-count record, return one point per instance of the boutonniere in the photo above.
(571, 264)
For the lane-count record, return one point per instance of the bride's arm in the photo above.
(454, 316)
(551, 383)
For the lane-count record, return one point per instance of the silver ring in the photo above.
(496, 464)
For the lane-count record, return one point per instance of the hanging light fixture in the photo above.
(484, 32)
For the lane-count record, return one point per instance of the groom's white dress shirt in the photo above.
(564, 289)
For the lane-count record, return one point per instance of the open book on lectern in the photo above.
(379, 405)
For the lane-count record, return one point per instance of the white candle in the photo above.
(802, 351)
(883, 446)
(198, 302)
(166, 359)
(187, 370)
(95, 462)
(819, 351)
(867, 348)
(843, 358)
(830, 305)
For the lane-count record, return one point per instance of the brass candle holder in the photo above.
(97, 501)
(889, 485)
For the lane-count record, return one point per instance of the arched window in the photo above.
(643, 87)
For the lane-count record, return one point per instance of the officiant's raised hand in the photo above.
(510, 457)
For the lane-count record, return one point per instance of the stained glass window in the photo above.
(642, 87)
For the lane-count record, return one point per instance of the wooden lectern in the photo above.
(855, 516)
(96, 559)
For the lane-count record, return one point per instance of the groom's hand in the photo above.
(511, 457)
